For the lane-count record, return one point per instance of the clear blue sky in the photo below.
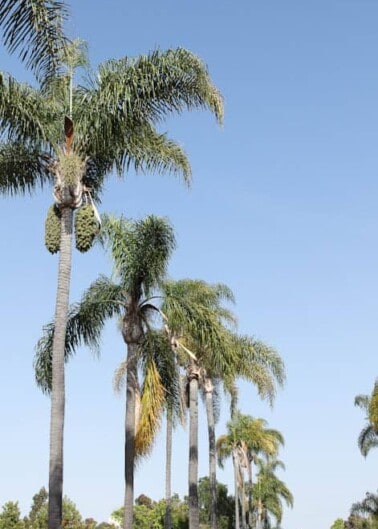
(283, 209)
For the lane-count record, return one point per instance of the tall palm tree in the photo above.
(269, 492)
(246, 435)
(109, 124)
(34, 29)
(368, 437)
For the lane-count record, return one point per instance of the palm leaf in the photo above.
(34, 29)
(84, 325)
(22, 168)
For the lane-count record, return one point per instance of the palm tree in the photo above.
(268, 493)
(34, 28)
(246, 436)
(368, 437)
(367, 507)
(110, 125)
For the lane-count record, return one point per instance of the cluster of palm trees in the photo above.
(251, 443)
(181, 339)
(73, 136)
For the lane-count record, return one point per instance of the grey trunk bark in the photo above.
(235, 463)
(131, 384)
(168, 473)
(250, 483)
(209, 388)
(58, 388)
(243, 509)
(193, 451)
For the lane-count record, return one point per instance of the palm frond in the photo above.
(362, 401)
(224, 449)
(85, 322)
(155, 85)
(367, 439)
(22, 168)
(34, 29)
(258, 363)
(116, 114)
(25, 115)
(161, 388)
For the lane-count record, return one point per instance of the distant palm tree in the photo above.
(367, 507)
(269, 492)
(368, 437)
(246, 435)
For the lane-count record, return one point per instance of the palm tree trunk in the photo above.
(193, 374)
(131, 385)
(58, 387)
(168, 472)
(250, 483)
(243, 509)
(235, 463)
(209, 389)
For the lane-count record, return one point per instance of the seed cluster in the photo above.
(52, 229)
(86, 228)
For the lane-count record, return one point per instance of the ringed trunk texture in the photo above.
(209, 388)
(131, 387)
(193, 448)
(235, 463)
(58, 387)
(168, 473)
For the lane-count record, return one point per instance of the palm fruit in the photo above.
(86, 227)
(52, 229)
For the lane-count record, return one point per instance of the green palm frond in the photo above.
(25, 115)
(258, 363)
(134, 144)
(116, 114)
(194, 310)
(22, 168)
(34, 29)
(224, 447)
(85, 322)
(367, 439)
(154, 85)
(362, 401)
